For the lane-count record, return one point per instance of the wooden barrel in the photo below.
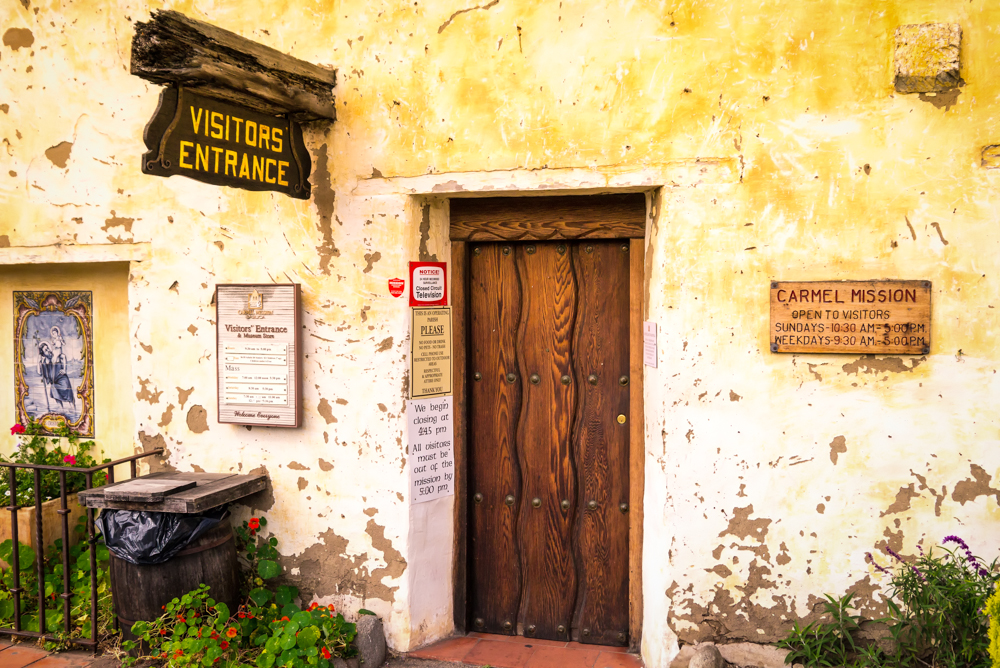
(140, 592)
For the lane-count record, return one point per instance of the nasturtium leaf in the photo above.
(308, 637)
(222, 610)
(260, 596)
(287, 641)
(284, 595)
(303, 618)
(265, 660)
(268, 569)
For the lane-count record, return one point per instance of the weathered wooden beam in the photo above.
(173, 49)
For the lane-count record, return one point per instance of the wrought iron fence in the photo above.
(92, 540)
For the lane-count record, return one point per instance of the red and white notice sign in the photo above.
(428, 284)
(396, 287)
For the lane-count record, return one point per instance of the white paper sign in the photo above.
(649, 344)
(432, 455)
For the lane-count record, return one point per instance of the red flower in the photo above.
(254, 523)
(17, 429)
(70, 459)
(326, 653)
(181, 619)
(231, 632)
(214, 636)
(284, 619)
(224, 645)
(242, 615)
(163, 632)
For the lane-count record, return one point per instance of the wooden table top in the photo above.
(155, 492)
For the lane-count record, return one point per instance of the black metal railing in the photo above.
(63, 512)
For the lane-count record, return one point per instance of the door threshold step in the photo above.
(480, 649)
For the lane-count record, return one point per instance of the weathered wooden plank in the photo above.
(637, 441)
(212, 490)
(459, 316)
(543, 440)
(601, 441)
(494, 405)
(147, 491)
(173, 48)
(549, 218)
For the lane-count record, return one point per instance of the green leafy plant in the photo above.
(34, 448)
(935, 608)
(936, 616)
(268, 629)
(993, 612)
(824, 642)
(53, 587)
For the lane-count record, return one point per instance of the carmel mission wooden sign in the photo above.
(211, 141)
(867, 317)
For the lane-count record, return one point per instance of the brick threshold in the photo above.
(481, 649)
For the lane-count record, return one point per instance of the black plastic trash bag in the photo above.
(143, 538)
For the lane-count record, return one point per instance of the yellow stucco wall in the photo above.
(776, 149)
(108, 281)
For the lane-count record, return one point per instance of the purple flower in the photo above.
(919, 574)
(869, 558)
(896, 556)
(920, 548)
(956, 539)
(983, 573)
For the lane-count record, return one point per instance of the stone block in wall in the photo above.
(927, 57)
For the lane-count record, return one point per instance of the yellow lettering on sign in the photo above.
(244, 168)
(267, 172)
(281, 173)
(239, 123)
(230, 161)
(184, 153)
(216, 125)
(251, 140)
(265, 137)
(200, 158)
(216, 151)
(195, 119)
(258, 168)
(276, 140)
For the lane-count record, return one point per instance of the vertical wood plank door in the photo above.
(548, 439)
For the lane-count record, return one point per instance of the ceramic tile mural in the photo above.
(54, 360)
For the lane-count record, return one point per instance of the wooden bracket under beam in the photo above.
(173, 49)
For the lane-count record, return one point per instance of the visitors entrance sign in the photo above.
(211, 141)
(866, 317)
(259, 348)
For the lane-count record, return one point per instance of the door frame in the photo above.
(548, 218)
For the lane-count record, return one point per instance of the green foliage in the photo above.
(824, 643)
(993, 611)
(53, 587)
(268, 629)
(936, 617)
(32, 449)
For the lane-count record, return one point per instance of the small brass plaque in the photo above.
(866, 317)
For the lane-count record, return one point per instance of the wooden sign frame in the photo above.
(260, 324)
(877, 317)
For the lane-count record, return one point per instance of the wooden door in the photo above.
(548, 439)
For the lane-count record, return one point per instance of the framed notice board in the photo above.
(259, 352)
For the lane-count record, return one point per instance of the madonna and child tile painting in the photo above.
(54, 360)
